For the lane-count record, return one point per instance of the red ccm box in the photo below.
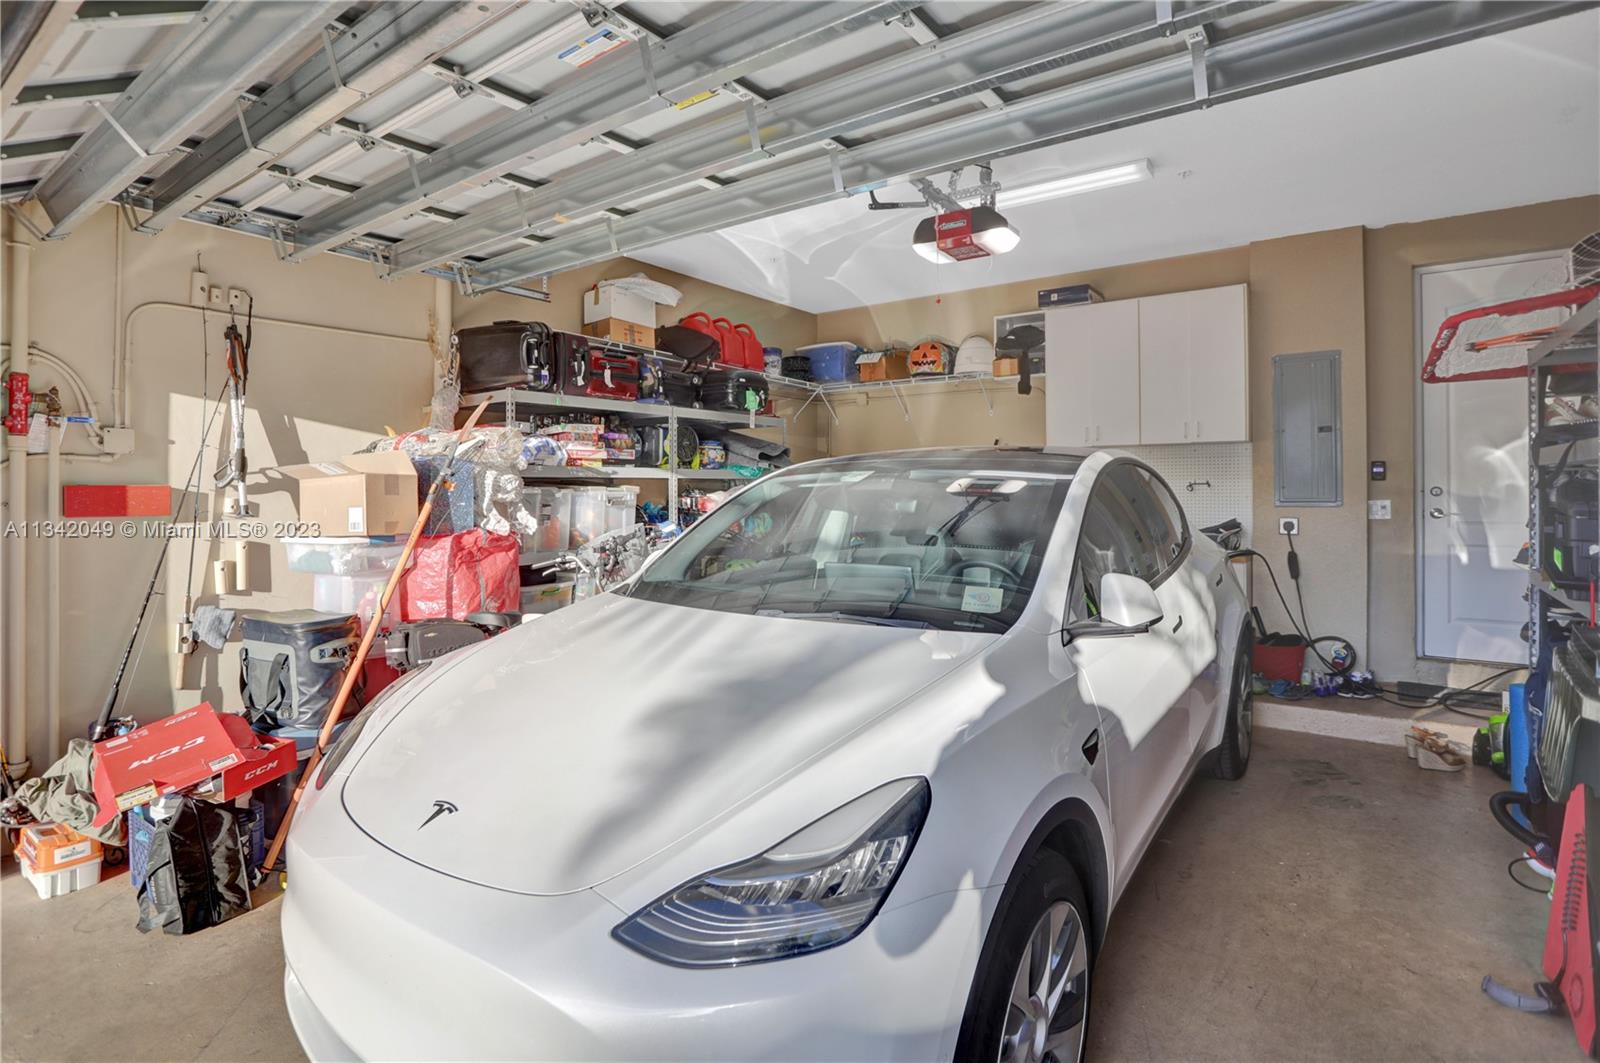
(183, 751)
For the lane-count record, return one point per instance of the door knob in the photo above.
(1436, 513)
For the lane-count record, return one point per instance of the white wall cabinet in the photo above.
(1162, 369)
(1092, 358)
(1194, 367)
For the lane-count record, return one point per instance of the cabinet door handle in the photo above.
(1197, 429)
(1186, 429)
(1086, 433)
(1097, 433)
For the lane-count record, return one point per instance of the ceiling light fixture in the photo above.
(957, 235)
(1073, 184)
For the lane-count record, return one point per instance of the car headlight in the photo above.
(352, 733)
(815, 889)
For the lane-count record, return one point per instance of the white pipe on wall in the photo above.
(52, 597)
(16, 548)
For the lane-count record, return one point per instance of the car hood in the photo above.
(557, 755)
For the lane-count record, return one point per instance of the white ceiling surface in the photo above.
(1502, 121)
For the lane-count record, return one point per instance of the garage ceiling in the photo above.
(1446, 133)
(502, 141)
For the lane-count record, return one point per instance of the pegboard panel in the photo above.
(1227, 467)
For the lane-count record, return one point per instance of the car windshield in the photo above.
(892, 542)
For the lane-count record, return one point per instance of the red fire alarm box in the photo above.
(18, 401)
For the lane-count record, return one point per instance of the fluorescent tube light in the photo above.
(1073, 184)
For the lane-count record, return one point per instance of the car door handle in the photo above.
(1178, 626)
(1091, 745)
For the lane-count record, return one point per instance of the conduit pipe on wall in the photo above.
(16, 547)
(52, 597)
(121, 402)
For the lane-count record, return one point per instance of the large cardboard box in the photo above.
(619, 331)
(600, 303)
(182, 751)
(362, 494)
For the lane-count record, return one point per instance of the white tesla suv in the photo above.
(856, 769)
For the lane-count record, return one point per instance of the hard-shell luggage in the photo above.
(507, 354)
(680, 388)
(291, 664)
(596, 372)
(734, 389)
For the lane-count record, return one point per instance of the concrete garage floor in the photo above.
(1339, 903)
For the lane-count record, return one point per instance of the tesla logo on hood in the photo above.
(439, 809)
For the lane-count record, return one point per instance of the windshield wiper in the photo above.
(835, 614)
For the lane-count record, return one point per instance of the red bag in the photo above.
(453, 575)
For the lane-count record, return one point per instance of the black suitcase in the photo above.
(680, 388)
(739, 390)
(654, 372)
(507, 354)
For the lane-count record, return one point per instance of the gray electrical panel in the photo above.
(1307, 441)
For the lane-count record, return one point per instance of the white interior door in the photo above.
(1472, 494)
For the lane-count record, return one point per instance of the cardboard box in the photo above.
(620, 331)
(884, 365)
(600, 303)
(54, 847)
(1067, 296)
(363, 494)
(197, 747)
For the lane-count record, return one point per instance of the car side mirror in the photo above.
(1128, 606)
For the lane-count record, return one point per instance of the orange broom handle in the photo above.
(353, 671)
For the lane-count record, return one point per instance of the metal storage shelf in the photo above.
(1572, 344)
(550, 402)
(814, 390)
(517, 401)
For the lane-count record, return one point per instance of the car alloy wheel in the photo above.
(1247, 712)
(1049, 992)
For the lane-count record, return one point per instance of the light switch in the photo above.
(1380, 509)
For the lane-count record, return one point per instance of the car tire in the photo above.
(1238, 734)
(1042, 946)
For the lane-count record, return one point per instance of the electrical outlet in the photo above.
(1380, 509)
(1288, 525)
(238, 298)
(218, 297)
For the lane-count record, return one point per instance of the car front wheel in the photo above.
(1233, 756)
(1031, 1000)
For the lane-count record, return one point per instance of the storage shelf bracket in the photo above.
(905, 410)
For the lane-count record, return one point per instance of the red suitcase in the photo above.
(598, 373)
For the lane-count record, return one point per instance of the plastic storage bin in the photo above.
(830, 362)
(621, 511)
(552, 508)
(48, 884)
(547, 597)
(588, 515)
(354, 594)
(343, 557)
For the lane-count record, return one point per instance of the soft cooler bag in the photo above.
(291, 665)
(455, 575)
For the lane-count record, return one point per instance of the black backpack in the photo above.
(197, 873)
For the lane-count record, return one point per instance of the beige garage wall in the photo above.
(1392, 254)
(1305, 295)
(339, 356)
